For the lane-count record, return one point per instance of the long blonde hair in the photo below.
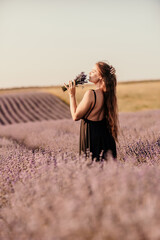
(107, 73)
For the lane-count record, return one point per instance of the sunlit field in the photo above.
(49, 192)
(133, 96)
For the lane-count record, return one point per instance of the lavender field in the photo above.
(49, 192)
(25, 107)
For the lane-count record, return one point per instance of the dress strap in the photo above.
(93, 105)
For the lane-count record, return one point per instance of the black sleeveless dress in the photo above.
(96, 138)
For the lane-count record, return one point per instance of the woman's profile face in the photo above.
(94, 75)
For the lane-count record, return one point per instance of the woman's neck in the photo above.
(97, 84)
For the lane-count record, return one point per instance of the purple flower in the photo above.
(80, 79)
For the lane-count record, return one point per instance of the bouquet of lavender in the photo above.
(80, 79)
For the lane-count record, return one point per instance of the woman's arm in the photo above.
(73, 105)
(79, 111)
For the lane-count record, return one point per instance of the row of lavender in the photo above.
(49, 192)
(17, 108)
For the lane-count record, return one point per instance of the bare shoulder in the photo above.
(88, 94)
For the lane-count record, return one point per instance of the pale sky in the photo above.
(49, 42)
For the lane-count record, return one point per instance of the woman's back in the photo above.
(98, 112)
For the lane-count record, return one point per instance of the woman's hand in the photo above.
(71, 88)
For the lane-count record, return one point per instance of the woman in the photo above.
(98, 113)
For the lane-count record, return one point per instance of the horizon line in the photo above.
(50, 86)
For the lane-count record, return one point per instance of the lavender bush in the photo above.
(49, 192)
